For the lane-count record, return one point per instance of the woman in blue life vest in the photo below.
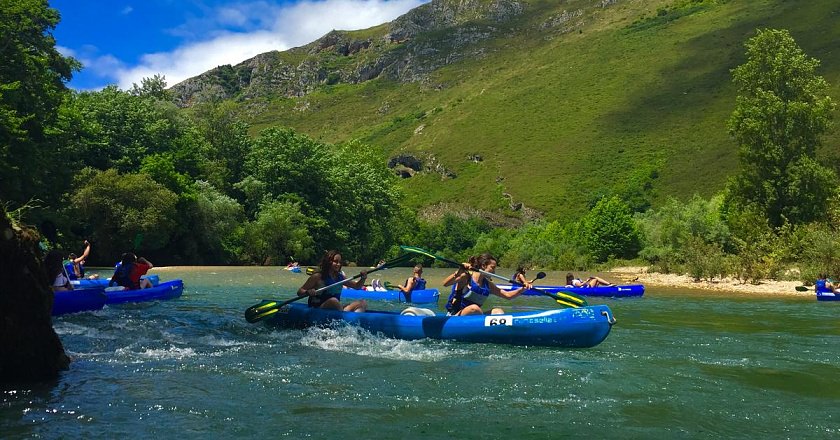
(416, 282)
(330, 273)
(76, 265)
(479, 288)
(122, 272)
(456, 296)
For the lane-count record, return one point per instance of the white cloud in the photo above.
(264, 27)
(127, 10)
(193, 59)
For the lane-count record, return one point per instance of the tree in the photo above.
(346, 192)
(278, 233)
(218, 224)
(124, 212)
(32, 77)
(781, 111)
(154, 87)
(228, 142)
(609, 230)
(119, 129)
(365, 200)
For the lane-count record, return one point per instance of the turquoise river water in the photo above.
(678, 364)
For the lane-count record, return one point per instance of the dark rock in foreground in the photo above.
(30, 350)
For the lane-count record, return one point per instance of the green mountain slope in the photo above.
(562, 100)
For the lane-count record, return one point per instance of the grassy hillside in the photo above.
(639, 88)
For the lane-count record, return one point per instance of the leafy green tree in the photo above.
(452, 236)
(365, 200)
(218, 228)
(530, 247)
(345, 191)
(609, 230)
(32, 86)
(124, 212)
(120, 129)
(756, 245)
(677, 232)
(782, 109)
(154, 87)
(278, 233)
(228, 143)
(161, 168)
(290, 163)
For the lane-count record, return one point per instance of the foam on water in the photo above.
(350, 339)
(63, 328)
(172, 352)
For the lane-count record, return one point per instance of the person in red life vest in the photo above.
(141, 266)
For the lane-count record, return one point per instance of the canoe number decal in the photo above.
(498, 320)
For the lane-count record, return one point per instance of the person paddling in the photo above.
(480, 287)
(330, 273)
(416, 282)
(519, 276)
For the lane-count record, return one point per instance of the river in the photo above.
(678, 364)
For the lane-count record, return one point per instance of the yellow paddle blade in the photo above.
(571, 298)
(567, 304)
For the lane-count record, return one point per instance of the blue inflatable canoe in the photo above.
(580, 327)
(824, 294)
(78, 300)
(103, 282)
(610, 291)
(424, 296)
(167, 290)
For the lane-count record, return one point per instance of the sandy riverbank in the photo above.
(640, 274)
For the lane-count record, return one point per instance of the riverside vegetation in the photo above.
(627, 129)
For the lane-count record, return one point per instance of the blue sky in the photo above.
(122, 41)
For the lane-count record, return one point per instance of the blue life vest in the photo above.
(122, 276)
(71, 273)
(819, 286)
(478, 294)
(332, 292)
(453, 303)
(419, 284)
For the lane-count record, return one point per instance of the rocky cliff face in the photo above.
(408, 49)
(29, 347)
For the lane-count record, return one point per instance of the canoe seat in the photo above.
(417, 311)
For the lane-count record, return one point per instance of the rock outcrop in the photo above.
(30, 350)
(408, 49)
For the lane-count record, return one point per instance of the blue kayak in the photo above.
(579, 327)
(611, 291)
(424, 296)
(167, 290)
(824, 294)
(103, 282)
(78, 300)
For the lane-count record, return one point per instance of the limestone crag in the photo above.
(408, 49)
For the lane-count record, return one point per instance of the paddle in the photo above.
(540, 275)
(266, 308)
(566, 299)
(802, 288)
